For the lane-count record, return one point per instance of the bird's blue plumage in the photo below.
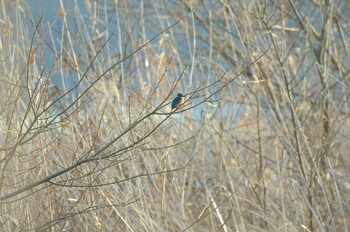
(178, 101)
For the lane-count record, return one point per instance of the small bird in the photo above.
(178, 101)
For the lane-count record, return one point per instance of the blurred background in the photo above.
(88, 142)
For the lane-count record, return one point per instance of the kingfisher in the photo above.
(178, 101)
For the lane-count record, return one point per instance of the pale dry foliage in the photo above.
(261, 144)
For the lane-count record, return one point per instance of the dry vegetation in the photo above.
(88, 142)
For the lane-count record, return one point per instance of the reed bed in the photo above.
(89, 142)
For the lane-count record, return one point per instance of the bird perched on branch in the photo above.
(178, 101)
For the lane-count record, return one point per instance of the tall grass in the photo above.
(89, 143)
